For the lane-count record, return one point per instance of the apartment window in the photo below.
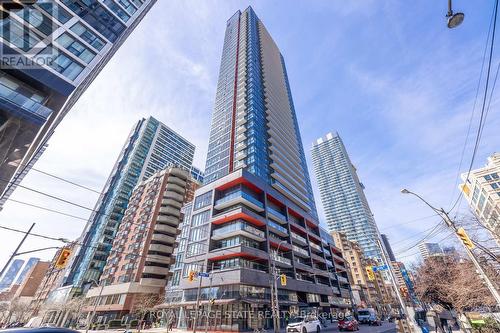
(200, 218)
(62, 63)
(198, 234)
(195, 249)
(15, 33)
(54, 10)
(203, 200)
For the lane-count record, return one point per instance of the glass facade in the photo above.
(344, 201)
(147, 151)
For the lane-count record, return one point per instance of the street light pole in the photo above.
(446, 218)
(274, 290)
(95, 305)
(195, 324)
(17, 249)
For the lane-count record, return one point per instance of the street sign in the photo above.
(201, 274)
(380, 268)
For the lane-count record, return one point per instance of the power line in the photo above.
(48, 209)
(66, 181)
(482, 118)
(408, 222)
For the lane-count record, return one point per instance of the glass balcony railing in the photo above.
(300, 250)
(238, 226)
(240, 194)
(276, 213)
(277, 227)
(300, 238)
(279, 258)
(24, 102)
(315, 246)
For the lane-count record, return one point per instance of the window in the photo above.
(16, 34)
(54, 10)
(195, 249)
(203, 200)
(62, 63)
(199, 233)
(75, 47)
(200, 219)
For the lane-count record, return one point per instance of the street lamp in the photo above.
(454, 19)
(451, 224)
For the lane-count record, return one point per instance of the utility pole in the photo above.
(91, 320)
(197, 307)
(210, 299)
(446, 218)
(17, 249)
(471, 255)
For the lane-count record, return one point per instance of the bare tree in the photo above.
(144, 305)
(452, 283)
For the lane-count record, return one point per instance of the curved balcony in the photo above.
(171, 211)
(172, 220)
(155, 270)
(172, 203)
(176, 180)
(175, 188)
(173, 195)
(163, 238)
(160, 259)
(161, 248)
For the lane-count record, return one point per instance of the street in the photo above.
(386, 327)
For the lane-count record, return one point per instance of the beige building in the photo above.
(482, 191)
(366, 293)
(141, 257)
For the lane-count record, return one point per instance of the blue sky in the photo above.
(387, 75)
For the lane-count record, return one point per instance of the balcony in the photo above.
(342, 279)
(175, 188)
(300, 251)
(239, 228)
(172, 203)
(159, 259)
(170, 211)
(277, 228)
(177, 181)
(30, 108)
(239, 197)
(163, 238)
(161, 248)
(172, 220)
(299, 238)
(155, 270)
(315, 247)
(280, 259)
(315, 257)
(276, 215)
(173, 195)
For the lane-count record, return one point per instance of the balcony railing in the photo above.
(276, 213)
(300, 250)
(299, 238)
(315, 246)
(239, 194)
(281, 259)
(238, 226)
(277, 227)
(24, 102)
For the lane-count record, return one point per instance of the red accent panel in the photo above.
(316, 238)
(231, 153)
(298, 230)
(282, 246)
(275, 201)
(294, 213)
(234, 255)
(243, 216)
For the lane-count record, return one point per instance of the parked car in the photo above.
(307, 324)
(348, 324)
(364, 315)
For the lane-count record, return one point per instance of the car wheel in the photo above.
(318, 329)
(304, 330)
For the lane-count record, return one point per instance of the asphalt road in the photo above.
(385, 328)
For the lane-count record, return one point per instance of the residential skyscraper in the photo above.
(482, 191)
(429, 249)
(141, 257)
(51, 52)
(150, 147)
(388, 248)
(248, 134)
(11, 274)
(342, 194)
(255, 216)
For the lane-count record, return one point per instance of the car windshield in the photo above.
(364, 313)
(296, 320)
(347, 318)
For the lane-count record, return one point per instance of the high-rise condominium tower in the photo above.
(430, 249)
(388, 247)
(342, 195)
(151, 146)
(51, 51)
(256, 210)
(482, 191)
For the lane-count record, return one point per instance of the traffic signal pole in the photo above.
(197, 308)
(17, 249)
(472, 257)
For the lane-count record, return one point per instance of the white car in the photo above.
(308, 324)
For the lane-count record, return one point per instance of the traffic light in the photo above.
(465, 238)
(212, 301)
(370, 273)
(283, 279)
(191, 276)
(404, 291)
(62, 259)
(13, 5)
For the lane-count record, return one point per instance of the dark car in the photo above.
(38, 330)
(348, 324)
(375, 321)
